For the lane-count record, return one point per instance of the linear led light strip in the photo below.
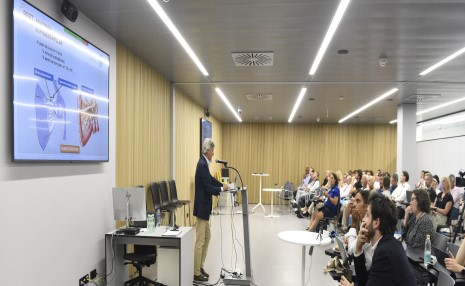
(297, 103)
(161, 13)
(369, 104)
(329, 34)
(440, 63)
(228, 104)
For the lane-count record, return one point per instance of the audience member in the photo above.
(331, 203)
(394, 181)
(429, 189)
(421, 183)
(455, 192)
(390, 265)
(416, 225)
(385, 189)
(443, 205)
(399, 195)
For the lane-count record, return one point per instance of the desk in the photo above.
(415, 255)
(272, 195)
(181, 244)
(303, 238)
(261, 175)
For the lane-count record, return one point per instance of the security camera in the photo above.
(207, 113)
(69, 10)
(239, 111)
(382, 61)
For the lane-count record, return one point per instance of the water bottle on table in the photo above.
(150, 224)
(427, 255)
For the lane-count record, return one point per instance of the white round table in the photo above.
(261, 175)
(303, 238)
(272, 195)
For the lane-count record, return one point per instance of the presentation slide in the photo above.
(61, 87)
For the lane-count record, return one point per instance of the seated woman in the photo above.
(416, 225)
(330, 206)
(443, 205)
(349, 208)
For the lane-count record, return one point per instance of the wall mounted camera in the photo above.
(207, 113)
(69, 10)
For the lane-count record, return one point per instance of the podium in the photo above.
(261, 175)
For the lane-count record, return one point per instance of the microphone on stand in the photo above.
(225, 163)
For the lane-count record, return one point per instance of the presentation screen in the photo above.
(60, 91)
(205, 131)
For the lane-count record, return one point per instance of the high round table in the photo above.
(261, 175)
(271, 215)
(303, 238)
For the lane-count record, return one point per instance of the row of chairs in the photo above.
(168, 202)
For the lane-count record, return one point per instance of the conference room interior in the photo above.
(63, 210)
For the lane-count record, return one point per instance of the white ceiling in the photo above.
(412, 35)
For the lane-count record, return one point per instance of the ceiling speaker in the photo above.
(69, 10)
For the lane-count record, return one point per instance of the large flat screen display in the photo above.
(61, 88)
(205, 131)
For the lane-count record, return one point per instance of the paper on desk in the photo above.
(172, 233)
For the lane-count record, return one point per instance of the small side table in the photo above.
(303, 238)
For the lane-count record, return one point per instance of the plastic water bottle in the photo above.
(427, 255)
(150, 224)
(158, 218)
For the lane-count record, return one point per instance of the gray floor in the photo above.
(273, 261)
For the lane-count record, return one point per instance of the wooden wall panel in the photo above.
(143, 123)
(283, 150)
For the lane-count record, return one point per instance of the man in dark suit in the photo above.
(390, 264)
(206, 186)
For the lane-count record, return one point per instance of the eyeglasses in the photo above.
(358, 200)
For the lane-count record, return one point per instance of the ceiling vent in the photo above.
(264, 118)
(422, 97)
(259, 96)
(253, 59)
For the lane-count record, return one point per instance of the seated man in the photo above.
(305, 181)
(308, 192)
(390, 264)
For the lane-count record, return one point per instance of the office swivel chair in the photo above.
(175, 200)
(143, 255)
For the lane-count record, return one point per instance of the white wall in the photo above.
(54, 216)
(442, 157)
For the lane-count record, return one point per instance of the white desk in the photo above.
(272, 195)
(181, 246)
(303, 238)
(261, 175)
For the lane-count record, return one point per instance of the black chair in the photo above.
(178, 202)
(143, 255)
(440, 241)
(166, 204)
(334, 219)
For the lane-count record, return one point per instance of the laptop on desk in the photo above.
(440, 256)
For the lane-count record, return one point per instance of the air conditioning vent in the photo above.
(422, 97)
(253, 59)
(264, 118)
(259, 96)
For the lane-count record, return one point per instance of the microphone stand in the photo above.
(239, 280)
